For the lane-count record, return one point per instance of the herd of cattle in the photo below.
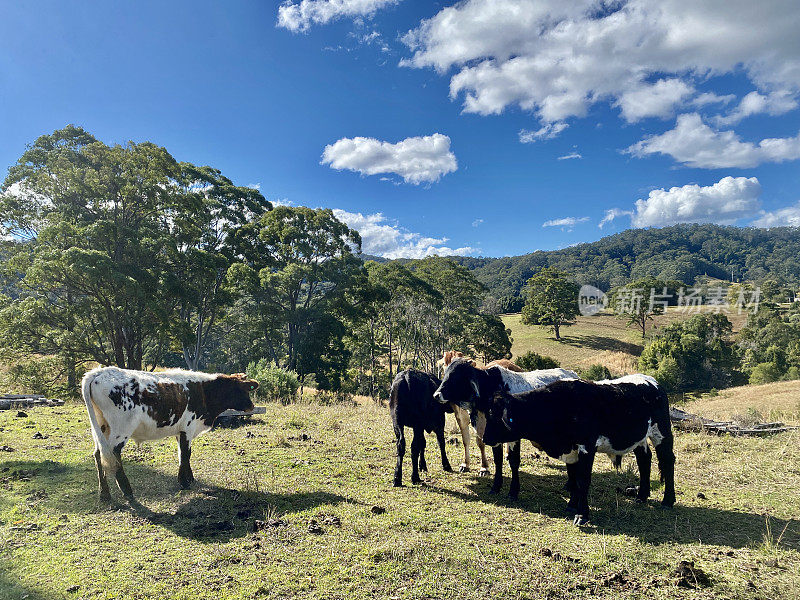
(560, 414)
(569, 419)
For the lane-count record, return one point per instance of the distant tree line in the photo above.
(122, 255)
(681, 253)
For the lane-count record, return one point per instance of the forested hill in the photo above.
(680, 252)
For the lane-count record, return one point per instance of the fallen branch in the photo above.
(9, 401)
(691, 422)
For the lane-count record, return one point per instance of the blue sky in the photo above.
(492, 128)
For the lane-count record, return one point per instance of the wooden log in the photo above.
(258, 410)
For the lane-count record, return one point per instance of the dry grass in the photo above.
(601, 339)
(778, 401)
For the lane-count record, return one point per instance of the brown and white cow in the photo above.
(462, 416)
(141, 405)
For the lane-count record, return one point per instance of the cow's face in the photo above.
(459, 384)
(498, 422)
(238, 397)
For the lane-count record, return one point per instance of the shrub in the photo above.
(274, 383)
(596, 373)
(531, 361)
(765, 372)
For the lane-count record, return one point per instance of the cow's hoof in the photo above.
(513, 495)
(580, 520)
(494, 490)
(416, 481)
(105, 498)
(641, 500)
(447, 468)
(484, 472)
(463, 469)
(666, 504)
(398, 484)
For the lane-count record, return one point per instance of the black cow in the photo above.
(412, 405)
(573, 420)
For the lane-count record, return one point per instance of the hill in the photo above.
(680, 252)
(600, 339)
(779, 401)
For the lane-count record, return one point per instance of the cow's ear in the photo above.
(507, 419)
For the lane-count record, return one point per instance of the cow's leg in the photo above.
(484, 462)
(105, 493)
(583, 479)
(122, 479)
(514, 449)
(185, 475)
(497, 454)
(417, 447)
(440, 439)
(570, 486)
(643, 460)
(666, 464)
(401, 450)
(462, 418)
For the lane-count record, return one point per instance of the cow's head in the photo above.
(235, 391)
(498, 426)
(460, 384)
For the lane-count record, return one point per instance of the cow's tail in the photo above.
(107, 456)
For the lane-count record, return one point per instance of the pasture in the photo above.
(603, 339)
(315, 482)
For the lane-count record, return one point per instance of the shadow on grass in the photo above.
(615, 513)
(600, 342)
(10, 587)
(207, 513)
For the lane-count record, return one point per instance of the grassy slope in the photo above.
(603, 339)
(778, 401)
(447, 539)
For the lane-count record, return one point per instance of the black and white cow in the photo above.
(463, 382)
(574, 420)
(412, 405)
(141, 405)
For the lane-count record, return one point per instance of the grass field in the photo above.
(601, 339)
(736, 518)
(778, 401)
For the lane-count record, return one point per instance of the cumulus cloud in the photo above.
(415, 159)
(381, 237)
(725, 202)
(565, 222)
(300, 16)
(695, 144)
(558, 58)
(789, 216)
(570, 156)
(774, 103)
(547, 132)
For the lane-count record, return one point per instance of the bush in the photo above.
(46, 375)
(765, 372)
(274, 383)
(531, 361)
(596, 373)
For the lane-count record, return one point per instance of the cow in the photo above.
(462, 380)
(572, 420)
(411, 404)
(141, 405)
(462, 416)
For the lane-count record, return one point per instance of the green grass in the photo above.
(446, 539)
(601, 339)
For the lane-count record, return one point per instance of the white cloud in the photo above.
(558, 58)
(565, 222)
(656, 100)
(477, 222)
(416, 159)
(382, 238)
(570, 156)
(299, 16)
(547, 132)
(695, 144)
(773, 104)
(614, 213)
(725, 202)
(789, 216)
(707, 98)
